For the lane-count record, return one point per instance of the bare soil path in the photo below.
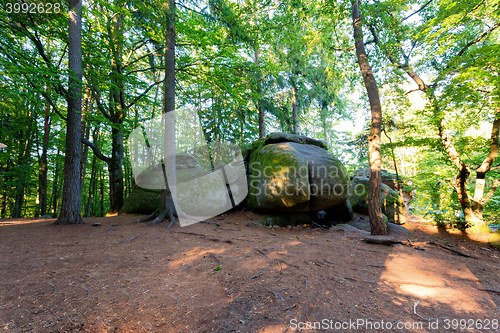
(230, 277)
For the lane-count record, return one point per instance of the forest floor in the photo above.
(230, 277)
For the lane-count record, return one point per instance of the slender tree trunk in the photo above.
(91, 185)
(55, 182)
(325, 123)
(295, 111)
(479, 202)
(44, 166)
(102, 194)
(378, 227)
(23, 175)
(71, 201)
(86, 109)
(463, 169)
(260, 109)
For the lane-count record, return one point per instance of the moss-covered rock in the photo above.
(278, 179)
(145, 201)
(289, 177)
(494, 239)
(279, 137)
(392, 203)
(284, 220)
(141, 201)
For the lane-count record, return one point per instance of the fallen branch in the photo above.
(329, 262)
(416, 245)
(275, 295)
(489, 290)
(128, 239)
(207, 237)
(258, 250)
(450, 249)
(288, 263)
(213, 255)
(258, 275)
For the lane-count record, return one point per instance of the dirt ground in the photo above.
(230, 277)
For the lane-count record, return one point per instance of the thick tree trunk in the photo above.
(167, 206)
(378, 227)
(115, 168)
(71, 200)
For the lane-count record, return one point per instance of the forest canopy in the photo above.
(250, 68)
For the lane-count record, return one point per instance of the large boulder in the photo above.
(195, 196)
(392, 203)
(290, 177)
(141, 201)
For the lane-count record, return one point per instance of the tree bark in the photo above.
(463, 169)
(295, 110)
(71, 199)
(378, 226)
(479, 202)
(167, 206)
(43, 167)
(260, 109)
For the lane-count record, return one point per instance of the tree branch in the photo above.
(136, 99)
(418, 11)
(478, 39)
(101, 108)
(96, 151)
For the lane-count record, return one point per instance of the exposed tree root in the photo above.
(149, 217)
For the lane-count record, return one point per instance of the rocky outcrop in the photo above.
(291, 177)
(392, 203)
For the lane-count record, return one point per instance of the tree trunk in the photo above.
(55, 182)
(102, 194)
(86, 109)
(260, 109)
(295, 111)
(71, 200)
(325, 123)
(378, 226)
(463, 169)
(43, 167)
(478, 202)
(91, 185)
(115, 168)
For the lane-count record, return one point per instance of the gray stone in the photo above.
(291, 177)
(392, 203)
(349, 228)
(279, 137)
(399, 231)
